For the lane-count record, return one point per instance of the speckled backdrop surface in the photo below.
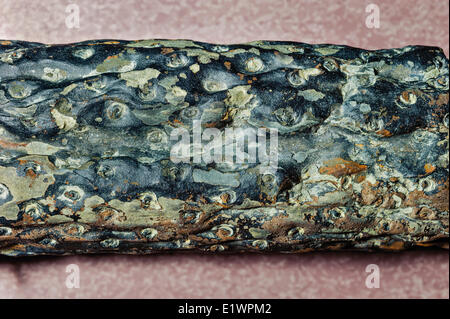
(415, 274)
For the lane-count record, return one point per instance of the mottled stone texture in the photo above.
(84, 137)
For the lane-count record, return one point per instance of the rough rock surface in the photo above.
(85, 147)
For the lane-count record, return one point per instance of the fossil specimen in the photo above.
(355, 147)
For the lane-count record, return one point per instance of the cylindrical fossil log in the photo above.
(170, 145)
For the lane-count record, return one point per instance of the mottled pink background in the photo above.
(416, 274)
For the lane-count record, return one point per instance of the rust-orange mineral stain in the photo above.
(396, 245)
(384, 133)
(429, 168)
(166, 50)
(11, 145)
(339, 167)
(31, 174)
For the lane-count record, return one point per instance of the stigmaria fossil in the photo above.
(86, 134)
